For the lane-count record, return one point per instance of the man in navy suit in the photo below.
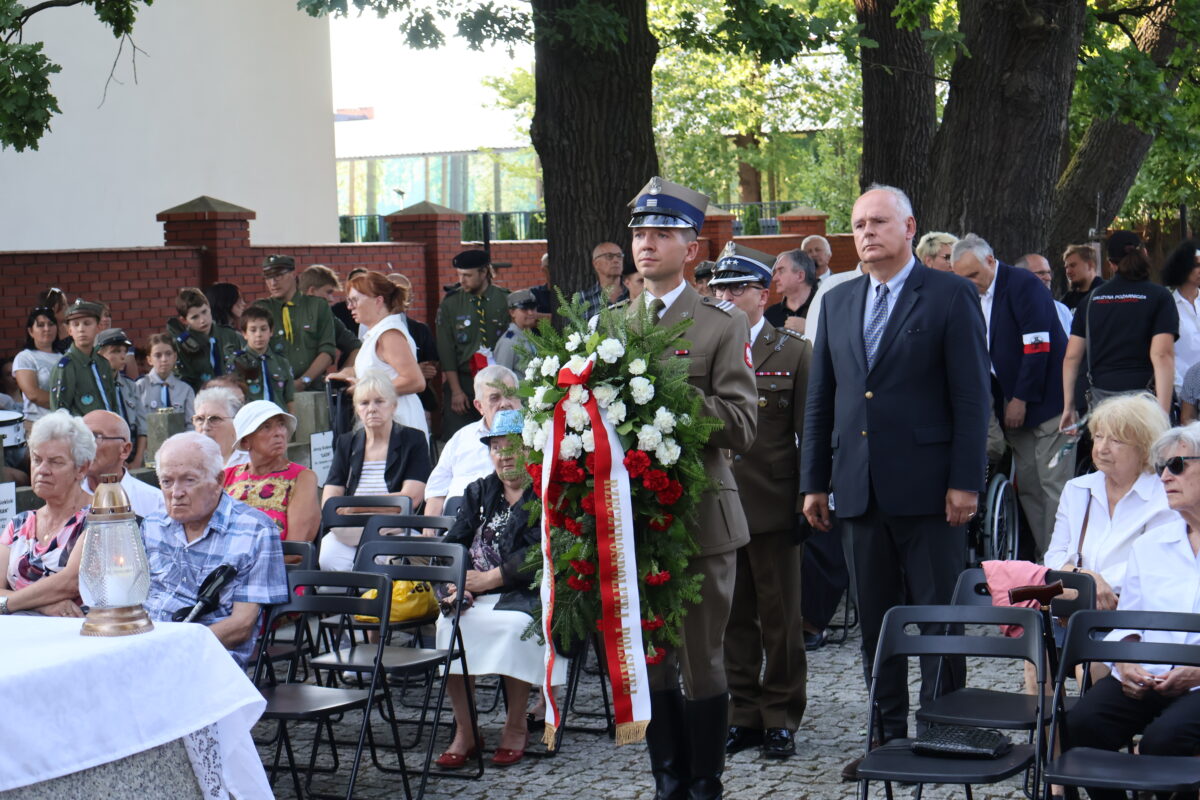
(1027, 345)
(896, 426)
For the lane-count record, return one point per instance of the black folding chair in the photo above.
(293, 701)
(1105, 769)
(376, 524)
(451, 506)
(297, 556)
(895, 760)
(446, 563)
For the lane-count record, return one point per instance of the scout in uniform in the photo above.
(321, 281)
(765, 618)
(514, 350)
(161, 388)
(201, 345)
(472, 316)
(82, 381)
(267, 375)
(113, 345)
(304, 333)
(686, 736)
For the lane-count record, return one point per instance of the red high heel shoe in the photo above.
(448, 760)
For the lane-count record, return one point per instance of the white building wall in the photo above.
(233, 99)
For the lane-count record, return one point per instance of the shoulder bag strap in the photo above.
(1083, 532)
(1087, 341)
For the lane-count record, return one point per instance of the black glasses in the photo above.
(1176, 465)
(737, 289)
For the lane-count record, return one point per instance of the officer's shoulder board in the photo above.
(509, 334)
(618, 305)
(63, 362)
(721, 305)
(792, 333)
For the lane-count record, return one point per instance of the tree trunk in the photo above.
(899, 114)
(1092, 188)
(749, 178)
(593, 133)
(996, 156)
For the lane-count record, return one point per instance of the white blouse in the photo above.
(1187, 346)
(1107, 544)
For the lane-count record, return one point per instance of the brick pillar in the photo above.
(801, 221)
(718, 229)
(221, 230)
(440, 230)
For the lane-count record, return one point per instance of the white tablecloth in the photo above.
(70, 702)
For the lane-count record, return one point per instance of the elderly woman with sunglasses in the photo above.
(40, 549)
(1163, 574)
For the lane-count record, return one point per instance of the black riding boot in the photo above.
(706, 722)
(666, 741)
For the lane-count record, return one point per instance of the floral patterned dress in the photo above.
(269, 493)
(27, 559)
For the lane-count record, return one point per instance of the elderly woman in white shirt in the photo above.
(1163, 574)
(1109, 509)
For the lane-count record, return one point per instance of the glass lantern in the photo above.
(114, 575)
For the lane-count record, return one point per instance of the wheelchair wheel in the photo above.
(1001, 520)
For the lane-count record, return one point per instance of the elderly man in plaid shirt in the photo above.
(202, 529)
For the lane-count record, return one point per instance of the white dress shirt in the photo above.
(895, 284)
(814, 308)
(1187, 346)
(464, 459)
(985, 302)
(1108, 542)
(668, 298)
(1163, 575)
(144, 499)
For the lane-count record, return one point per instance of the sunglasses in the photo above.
(1175, 465)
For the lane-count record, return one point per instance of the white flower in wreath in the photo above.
(668, 452)
(576, 416)
(574, 342)
(664, 421)
(641, 390)
(637, 366)
(542, 436)
(577, 394)
(616, 412)
(530, 432)
(538, 401)
(533, 369)
(604, 394)
(550, 366)
(577, 364)
(610, 350)
(589, 441)
(570, 447)
(649, 438)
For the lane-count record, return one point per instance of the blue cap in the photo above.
(662, 204)
(507, 421)
(741, 264)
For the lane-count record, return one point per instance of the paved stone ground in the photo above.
(592, 766)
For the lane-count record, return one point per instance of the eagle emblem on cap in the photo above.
(730, 249)
(655, 185)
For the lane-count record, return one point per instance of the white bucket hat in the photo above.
(252, 416)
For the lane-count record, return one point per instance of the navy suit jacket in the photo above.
(1027, 345)
(913, 426)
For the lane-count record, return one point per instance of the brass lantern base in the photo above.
(120, 621)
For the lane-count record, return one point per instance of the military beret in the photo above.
(472, 259)
(112, 336)
(83, 308)
(522, 299)
(275, 264)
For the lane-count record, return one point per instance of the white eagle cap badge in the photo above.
(655, 185)
(730, 250)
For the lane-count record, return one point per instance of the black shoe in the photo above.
(814, 641)
(742, 738)
(850, 771)
(706, 727)
(666, 742)
(779, 743)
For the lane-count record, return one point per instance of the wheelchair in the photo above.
(992, 534)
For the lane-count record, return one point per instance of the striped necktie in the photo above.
(874, 331)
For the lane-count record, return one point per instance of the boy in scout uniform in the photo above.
(82, 381)
(686, 736)
(766, 612)
(267, 375)
(161, 388)
(318, 280)
(472, 316)
(304, 332)
(514, 348)
(201, 345)
(113, 345)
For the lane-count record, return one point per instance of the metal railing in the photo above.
(505, 225)
(363, 228)
(752, 219)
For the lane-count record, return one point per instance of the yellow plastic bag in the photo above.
(410, 600)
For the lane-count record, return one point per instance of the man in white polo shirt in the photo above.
(112, 448)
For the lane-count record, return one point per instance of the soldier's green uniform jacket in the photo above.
(200, 361)
(73, 384)
(312, 331)
(268, 376)
(129, 406)
(466, 322)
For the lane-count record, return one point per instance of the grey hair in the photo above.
(801, 262)
(60, 426)
(932, 242)
(197, 443)
(219, 394)
(817, 238)
(495, 373)
(973, 244)
(374, 381)
(902, 201)
(1188, 436)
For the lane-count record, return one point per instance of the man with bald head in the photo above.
(113, 446)
(819, 250)
(1039, 266)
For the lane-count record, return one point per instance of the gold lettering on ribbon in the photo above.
(625, 652)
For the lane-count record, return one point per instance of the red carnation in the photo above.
(583, 567)
(671, 494)
(579, 584)
(588, 504)
(661, 523)
(655, 480)
(535, 472)
(570, 472)
(658, 578)
(655, 655)
(653, 624)
(637, 462)
(572, 525)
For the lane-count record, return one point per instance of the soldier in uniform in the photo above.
(472, 316)
(200, 343)
(703, 275)
(304, 333)
(113, 345)
(267, 375)
(82, 381)
(765, 617)
(686, 737)
(514, 348)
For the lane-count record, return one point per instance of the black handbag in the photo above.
(960, 741)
